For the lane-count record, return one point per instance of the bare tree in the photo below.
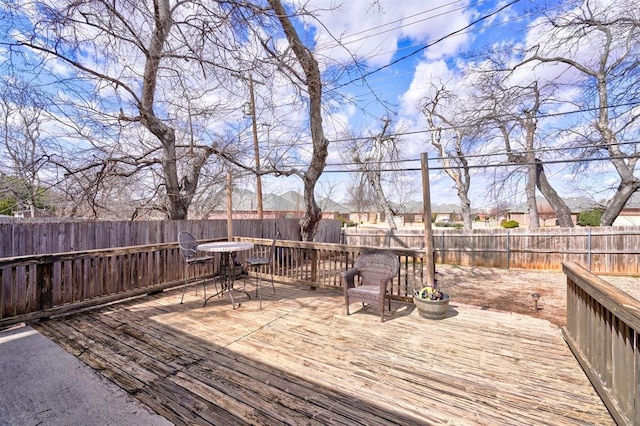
(514, 111)
(601, 44)
(372, 155)
(450, 136)
(546, 212)
(22, 111)
(359, 194)
(310, 78)
(499, 210)
(139, 64)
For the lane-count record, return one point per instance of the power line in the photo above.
(470, 31)
(496, 154)
(481, 166)
(426, 46)
(462, 126)
(409, 17)
(343, 43)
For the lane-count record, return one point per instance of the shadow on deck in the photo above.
(300, 360)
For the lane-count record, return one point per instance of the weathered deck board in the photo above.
(300, 360)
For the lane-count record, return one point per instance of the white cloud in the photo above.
(426, 74)
(374, 31)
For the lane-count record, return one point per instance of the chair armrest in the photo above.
(348, 278)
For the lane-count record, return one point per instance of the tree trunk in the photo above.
(616, 204)
(563, 212)
(312, 214)
(381, 200)
(532, 203)
(465, 206)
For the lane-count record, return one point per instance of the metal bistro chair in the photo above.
(376, 269)
(258, 262)
(189, 250)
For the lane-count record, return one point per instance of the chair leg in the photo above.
(204, 283)
(272, 285)
(231, 289)
(258, 288)
(233, 302)
(186, 269)
(213, 278)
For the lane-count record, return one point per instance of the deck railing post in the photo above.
(44, 286)
(314, 267)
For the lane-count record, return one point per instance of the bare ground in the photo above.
(511, 290)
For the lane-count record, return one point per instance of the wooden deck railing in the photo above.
(39, 286)
(603, 325)
(320, 265)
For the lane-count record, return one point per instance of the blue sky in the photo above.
(389, 39)
(401, 47)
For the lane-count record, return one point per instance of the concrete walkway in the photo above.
(42, 384)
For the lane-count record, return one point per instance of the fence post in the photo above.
(442, 252)
(507, 247)
(589, 249)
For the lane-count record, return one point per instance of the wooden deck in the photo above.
(300, 360)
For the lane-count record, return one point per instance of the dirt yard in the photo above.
(510, 290)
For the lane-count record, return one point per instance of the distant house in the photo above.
(26, 213)
(291, 205)
(630, 215)
(286, 206)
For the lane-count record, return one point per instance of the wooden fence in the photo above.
(610, 250)
(601, 250)
(37, 286)
(31, 238)
(603, 331)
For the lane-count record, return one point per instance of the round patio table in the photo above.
(227, 250)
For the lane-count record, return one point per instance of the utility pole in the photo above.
(426, 217)
(256, 148)
(229, 208)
